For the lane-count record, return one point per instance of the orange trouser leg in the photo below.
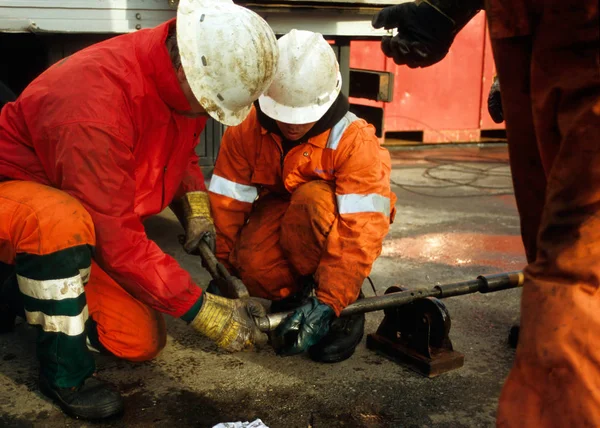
(47, 237)
(126, 327)
(529, 178)
(306, 225)
(33, 220)
(284, 239)
(37, 220)
(258, 256)
(555, 380)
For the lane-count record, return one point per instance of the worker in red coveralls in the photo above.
(96, 144)
(547, 55)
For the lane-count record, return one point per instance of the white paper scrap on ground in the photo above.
(255, 424)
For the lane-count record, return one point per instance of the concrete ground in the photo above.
(456, 219)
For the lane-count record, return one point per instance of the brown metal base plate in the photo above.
(441, 361)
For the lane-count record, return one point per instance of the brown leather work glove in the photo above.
(230, 322)
(197, 221)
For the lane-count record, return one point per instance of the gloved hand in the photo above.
(424, 33)
(495, 102)
(229, 322)
(198, 221)
(426, 29)
(304, 328)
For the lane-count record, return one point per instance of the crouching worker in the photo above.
(301, 199)
(96, 144)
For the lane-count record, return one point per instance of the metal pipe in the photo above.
(483, 284)
(235, 287)
(209, 259)
(391, 300)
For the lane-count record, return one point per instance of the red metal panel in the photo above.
(445, 100)
(368, 56)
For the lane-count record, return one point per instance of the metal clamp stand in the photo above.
(417, 335)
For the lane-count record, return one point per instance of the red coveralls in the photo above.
(103, 126)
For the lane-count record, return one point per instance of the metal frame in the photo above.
(208, 148)
(339, 18)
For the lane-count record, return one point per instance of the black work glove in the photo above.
(304, 328)
(495, 102)
(424, 34)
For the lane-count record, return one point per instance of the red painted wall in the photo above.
(448, 101)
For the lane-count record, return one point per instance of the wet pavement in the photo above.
(456, 219)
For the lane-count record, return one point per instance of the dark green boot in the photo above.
(11, 303)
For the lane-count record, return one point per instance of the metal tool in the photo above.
(229, 285)
(417, 334)
(416, 326)
(483, 284)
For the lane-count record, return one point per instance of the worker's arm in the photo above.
(192, 208)
(96, 166)
(193, 179)
(363, 199)
(425, 29)
(231, 192)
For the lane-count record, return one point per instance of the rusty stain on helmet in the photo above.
(211, 107)
(229, 59)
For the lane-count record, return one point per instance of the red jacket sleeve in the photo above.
(193, 178)
(95, 164)
(364, 200)
(231, 193)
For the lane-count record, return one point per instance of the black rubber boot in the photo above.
(7, 318)
(344, 336)
(95, 399)
(11, 303)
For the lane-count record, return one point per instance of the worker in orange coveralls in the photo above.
(96, 144)
(301, 199)
(547, 55)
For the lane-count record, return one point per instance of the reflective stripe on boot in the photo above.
(52, 287)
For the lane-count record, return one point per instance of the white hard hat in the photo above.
(229, 55)
(307, 82)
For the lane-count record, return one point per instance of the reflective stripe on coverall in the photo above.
(49, 237)
(341, 222)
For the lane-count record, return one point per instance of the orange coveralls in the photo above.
(323, 209)
(547, 55)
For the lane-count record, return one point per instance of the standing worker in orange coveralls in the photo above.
(301, 199)
(97, 143)
(547, 55)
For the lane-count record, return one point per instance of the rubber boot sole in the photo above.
(335, 357)
(339, 346)
(96, 412)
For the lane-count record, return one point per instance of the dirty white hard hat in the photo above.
(307, 81)
(229, 55)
